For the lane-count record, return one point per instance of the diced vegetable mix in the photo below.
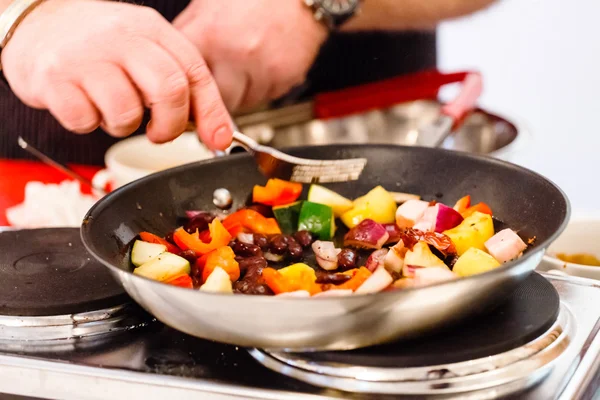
(286, 246)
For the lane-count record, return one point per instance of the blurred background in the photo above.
(540, 61)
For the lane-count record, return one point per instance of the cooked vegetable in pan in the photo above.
(326, 245)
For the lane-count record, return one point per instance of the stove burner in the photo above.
(517, 342)
(46, 272)
(68, 332)
(529, 312)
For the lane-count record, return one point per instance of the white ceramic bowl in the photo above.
(582, 235)
(135, 157)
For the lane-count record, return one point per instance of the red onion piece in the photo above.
(394, 232)
(366, 235)
(408, 271)
(273, 257)
(378, 281)
(505, 245)
(410, 212)
(394, 259)
(438, 218)
(247, 238)
(447, 218)
(327, 254)
(376, 259)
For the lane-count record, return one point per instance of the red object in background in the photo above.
(14, 175)
(423, 85)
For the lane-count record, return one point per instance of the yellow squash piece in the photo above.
(378, 205)
(356, 215)
(338, 203)
(421, 256)
(299, 271)
(473, 262)
(474, 231)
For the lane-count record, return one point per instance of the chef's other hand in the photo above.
(257, 50)
(98, 63)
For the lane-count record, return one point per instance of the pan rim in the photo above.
(100, 205)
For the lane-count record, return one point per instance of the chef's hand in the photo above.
(97, 63)
(257, 50)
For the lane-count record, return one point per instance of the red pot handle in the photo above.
(423, 85)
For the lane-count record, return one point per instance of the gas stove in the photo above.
(67, 331)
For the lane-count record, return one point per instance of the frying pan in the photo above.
(526, 201)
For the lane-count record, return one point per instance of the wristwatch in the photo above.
(333, 13)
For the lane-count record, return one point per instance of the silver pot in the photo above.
(482, 132)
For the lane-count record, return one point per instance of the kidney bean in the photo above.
(294, 249)
(261, 241)
(246, 250)
(252, 266)
(304, 238)
(252, 287)
(252, 281)
(278, 244)
(189, 255)
(198, 223)
(169, 238)
(347, 259)
(332, 277)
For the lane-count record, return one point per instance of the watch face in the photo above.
(339, 7)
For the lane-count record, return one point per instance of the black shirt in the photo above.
(346, 59)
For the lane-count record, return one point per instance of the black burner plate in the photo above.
(528, 313)
(48, 272)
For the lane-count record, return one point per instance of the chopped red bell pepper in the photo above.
(236, 229)
(204, 235)
(184, 281)
(276, 192)
(253, 221)
(219, 237)
(480, 207)
(296, 277)
(223, 257)
(152, 238)
(359, 276)
(462, 204)
(276, 282)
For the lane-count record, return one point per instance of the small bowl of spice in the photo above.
(577, 251)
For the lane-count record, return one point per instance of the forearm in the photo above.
(410, 14)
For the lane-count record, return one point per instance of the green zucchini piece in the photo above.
(318, 219)
(287, 216)
(164, 267)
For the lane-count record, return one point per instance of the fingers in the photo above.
(71, 106)
(115, 97)
(210, 113)
(232, 85)
(164, 87)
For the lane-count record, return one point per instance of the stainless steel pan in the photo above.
(524, 200)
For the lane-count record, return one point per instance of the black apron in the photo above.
(346, 59)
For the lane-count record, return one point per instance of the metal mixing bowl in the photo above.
(482, 132)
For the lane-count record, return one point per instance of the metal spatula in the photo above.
(276, 164)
